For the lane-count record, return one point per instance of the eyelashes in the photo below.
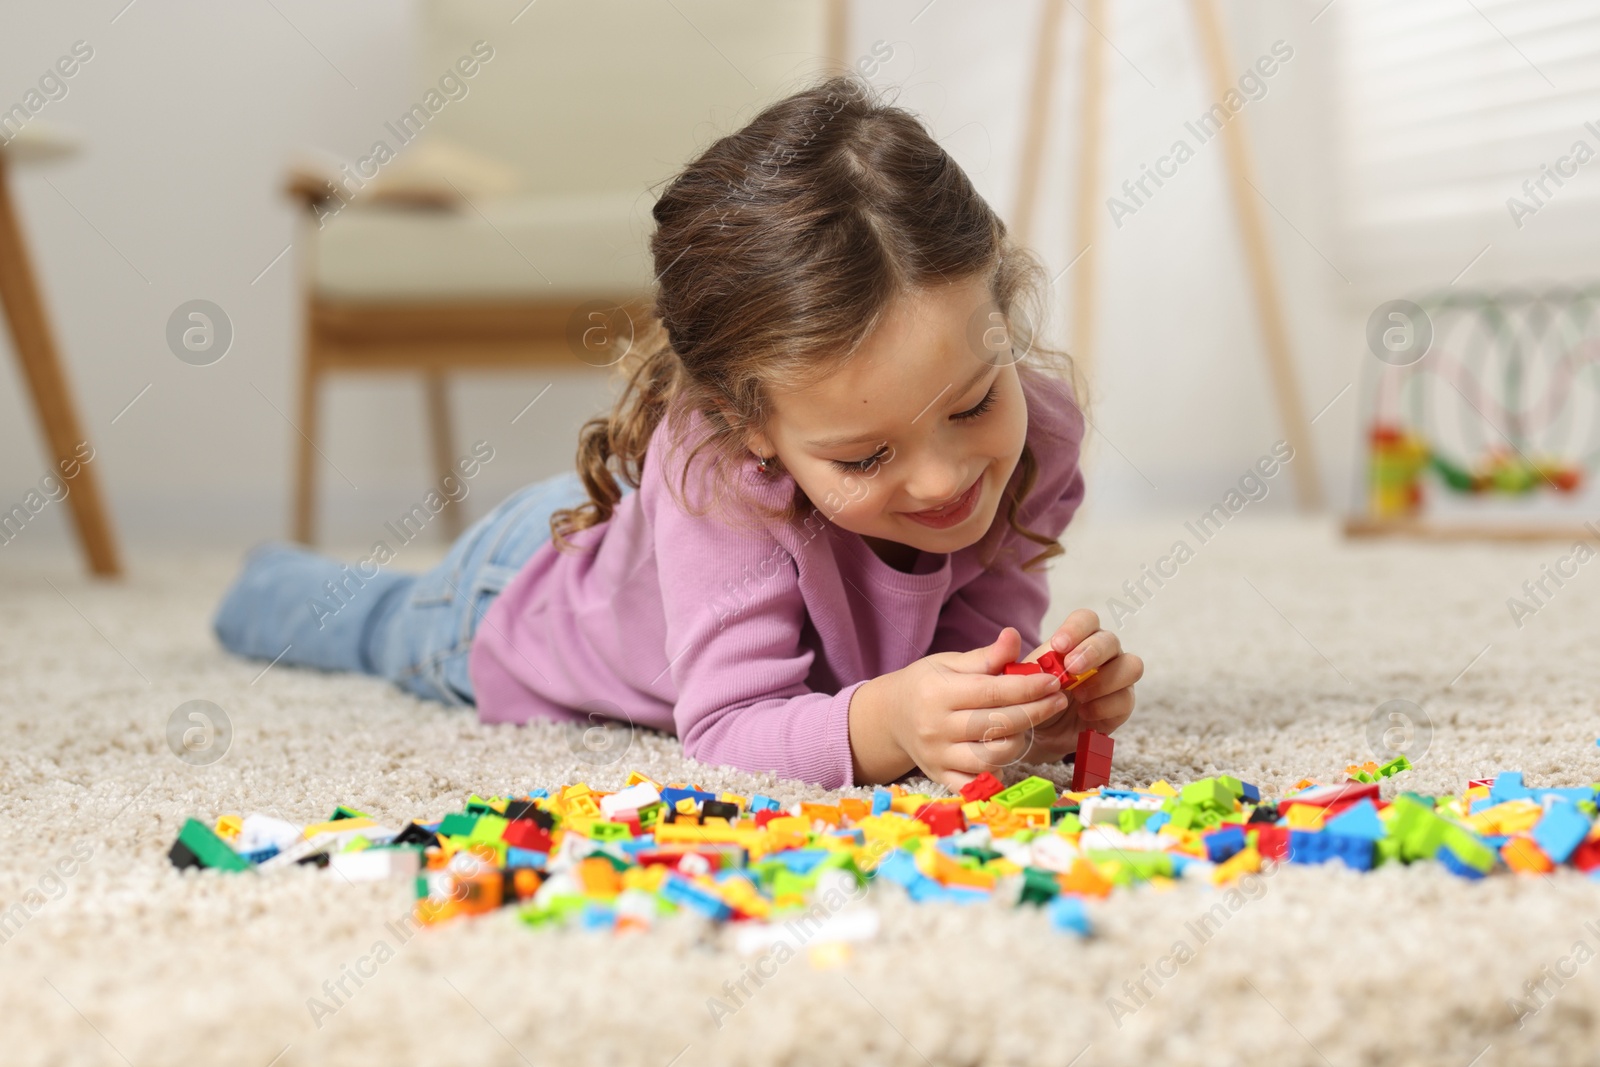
(861, 466)
(979, 408)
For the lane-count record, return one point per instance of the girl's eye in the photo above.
(983, 405)
(861, 466)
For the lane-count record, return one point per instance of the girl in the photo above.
(848, 479)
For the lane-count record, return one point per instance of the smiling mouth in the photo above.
(954, 511)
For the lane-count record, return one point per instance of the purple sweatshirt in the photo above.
(748, 643)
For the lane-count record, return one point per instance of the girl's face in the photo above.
(914, 438)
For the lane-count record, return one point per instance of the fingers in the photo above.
(1094, 650)
(1108, 712)
(1120, 672)
(989, 659)
(1079, 625)
(989, 724)
(981, 691)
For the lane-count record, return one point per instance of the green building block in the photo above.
(553, 909)
(488, 828)
(785, 882)
(1059, 810)
(1069, 824)
(342, 812)
(1184, 817)
(476, 805)
(1469, 849)
(1131, 819)
(1387, 850)
(1419, 831)
(1141, 866)
(207, 849)
(1034, 792)
(607, 831)
(1233, 785)
(1394, 767)
(1038, 886)
(458, 824)
(1209, 793)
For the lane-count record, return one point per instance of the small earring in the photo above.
(764, 464)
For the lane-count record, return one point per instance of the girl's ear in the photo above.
(754, 440)
(758, 443)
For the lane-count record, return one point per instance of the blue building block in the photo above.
(672, 796)
(597, 917)
(525, 857)
(1358, 820)
(684, 893)
(1157, 821)
(1311, 846)
(1448, 858)
(1119, 794)
(761, 802)
(1252, 795)
(538, 794)
(881, 799)
(1068, 915)
(1561, 830)
(1508, 786)
(899, 867)
(802, 861)
(1221, 844)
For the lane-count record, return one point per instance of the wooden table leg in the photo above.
(52, 398)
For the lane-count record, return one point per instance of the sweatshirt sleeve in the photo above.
(1005, 594)
(734, 613)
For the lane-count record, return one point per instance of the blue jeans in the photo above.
(298, 607)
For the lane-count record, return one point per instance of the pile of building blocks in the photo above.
(621, 860)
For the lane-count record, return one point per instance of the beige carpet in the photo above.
(1267, 655)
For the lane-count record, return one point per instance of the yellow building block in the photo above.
(1162, 788)
(228, 826)
(649, 879)
(1085, 878)
(1306, 817)
(339, 825)
(1247, 861)
(635, 777)
(909, 804)
(1510, 817)
(890, 829)
(1523, 855)
(827, 813)
(1032, 816)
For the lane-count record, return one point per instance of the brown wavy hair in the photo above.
(777, 251)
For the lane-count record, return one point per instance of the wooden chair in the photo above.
(41, 361)
(587, 104)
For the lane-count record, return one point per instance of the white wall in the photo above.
(191, 110)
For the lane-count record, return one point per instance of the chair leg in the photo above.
(52, 397)
(440, 437)
(305, 473)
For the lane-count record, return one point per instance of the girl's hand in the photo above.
(952, 714)
(1102, 703)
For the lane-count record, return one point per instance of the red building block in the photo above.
(1272, 841)
(525, 833)
(1091, 767)
(982, 787)
(943, 817)
(1023, 668)
(1052, 662)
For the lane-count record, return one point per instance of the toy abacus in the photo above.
(1481, 415)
